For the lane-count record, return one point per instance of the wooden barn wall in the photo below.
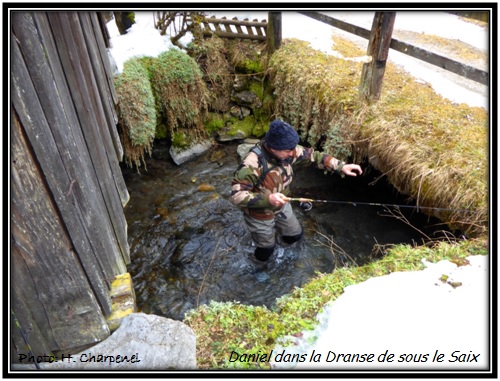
(68, 228)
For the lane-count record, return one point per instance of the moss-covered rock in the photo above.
(237, 129)
(214, 122)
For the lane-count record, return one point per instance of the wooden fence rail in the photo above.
(461, 69)
(254, 30)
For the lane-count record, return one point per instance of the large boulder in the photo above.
(143, 342)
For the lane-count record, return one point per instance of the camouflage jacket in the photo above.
(251, 193)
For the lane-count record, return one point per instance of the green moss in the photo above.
(260, 129)
(175, 66)
(246, 56)
(249, 66)
(257, 88)
(136, 102)
(214, 122)
(246, 125)
(161, 131)
(147, 62)
(180, 140)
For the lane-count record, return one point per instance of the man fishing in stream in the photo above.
(261, 185)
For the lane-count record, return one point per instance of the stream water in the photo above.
(189, 244)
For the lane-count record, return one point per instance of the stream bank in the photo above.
(189, 244)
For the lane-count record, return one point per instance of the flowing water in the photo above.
(189, 244)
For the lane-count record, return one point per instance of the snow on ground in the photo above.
(410, 314)
(434, 319)
(142, 39)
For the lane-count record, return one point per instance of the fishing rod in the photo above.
(353, 203)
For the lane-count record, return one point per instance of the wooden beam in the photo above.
(469, 72)
(378, 48)
(357, 30)
(235, 21)
(242, 36)
(274, 33)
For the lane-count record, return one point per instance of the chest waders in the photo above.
(263, 253)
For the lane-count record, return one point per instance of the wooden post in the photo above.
(124, 21)
(273, 32)
(378, 48)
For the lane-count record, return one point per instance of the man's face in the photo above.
(282, 154)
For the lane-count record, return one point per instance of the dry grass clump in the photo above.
(316, 93)
(432, 150)
(179, 88)
(211, 55)
(136, 111)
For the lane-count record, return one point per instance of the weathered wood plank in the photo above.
(235, 21)
(206, 28)
(98, 19)
(226, 27)
(248, 25)
(237, 25)
(227, 32)
(78, 207)
(78, 70)
(115, 190)
(25, 306)
(234, 35)
(100, 63)
(61, 300)
(258, 29)
(446, 63)
(215, 22)
(68, 138)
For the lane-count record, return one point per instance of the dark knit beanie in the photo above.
(281, 136)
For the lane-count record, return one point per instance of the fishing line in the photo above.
(353, 203)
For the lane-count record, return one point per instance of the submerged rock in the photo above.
(181, 156)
